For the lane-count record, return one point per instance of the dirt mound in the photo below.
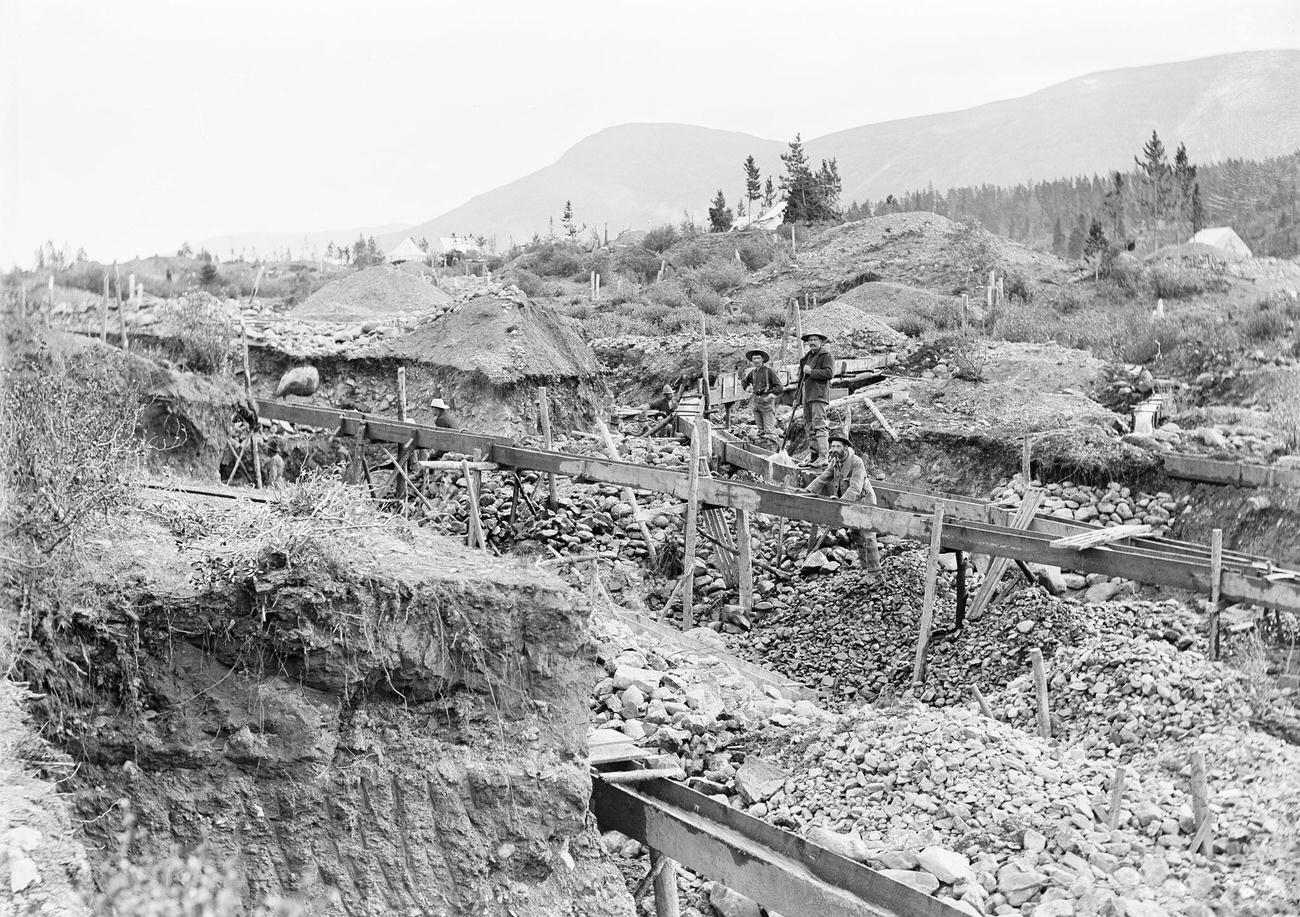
(360, 716)
(374, 292)
(916, 249)
(504, 340)
(842, 320)
(894, 300)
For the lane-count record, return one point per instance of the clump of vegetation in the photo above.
(640, 263)
(660, 239)
(205, 331)
(527, 281)
(555, 259)
(1265, 323)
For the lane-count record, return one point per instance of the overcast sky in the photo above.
(131, 126)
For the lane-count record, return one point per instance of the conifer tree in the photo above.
(753, 188)
(720, 217)
(769, 194)
(1058, 239)
(1096, 246)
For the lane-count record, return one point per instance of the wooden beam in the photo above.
(745, 559)
(1040, 693)
(1177, 568)
(931, 589)
(692, 521)
(1201, 805)
(552, 499)
(777, 869)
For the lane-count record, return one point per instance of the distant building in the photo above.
(406, 250)
(1225, 239)
(454, 249)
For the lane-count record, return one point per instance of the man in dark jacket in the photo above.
(816, 369)
(765, 385)
(845, 478)
(445, 418)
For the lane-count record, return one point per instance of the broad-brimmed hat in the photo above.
(841, 438)
(667, 389)
(815, 334)
(439, 403)
(750, 354)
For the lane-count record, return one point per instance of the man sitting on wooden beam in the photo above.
(845, 478)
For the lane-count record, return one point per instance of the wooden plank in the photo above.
(779, 870)
(1179, 570)
(714, 523)
(744, 559)
(931, 589)
(1040, 693)
(692, 520)
(1099, 538)
(1216, 586)
(615, 754)
(998, 568)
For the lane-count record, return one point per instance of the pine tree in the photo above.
(753, 187)
(567, 221)
(740, 208)
(1074, 248)
(1157, 181)
(1058, 239)
(769, 194)
(1113, 205)
(720, 218)
(1198, 210)
(797, 183)
(1096, 246)
(1184, 182)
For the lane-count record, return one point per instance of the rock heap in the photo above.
(1113, 504)
(1114, 694)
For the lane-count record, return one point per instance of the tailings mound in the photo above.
(374, 292)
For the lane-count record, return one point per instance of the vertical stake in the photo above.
(931, 586)
(961, 588)
(692, 523)
(745, 559)
(1201, 806)
(403, 451)
(1040, 692)
(1026, 461)
(665, 884)
(704, 363)
(982, 701)
(1216, 578)
(552, 500)
(248, 393)
(1116, 796)
(103, 312)
(474, 531)
(965, 311)
(121, 312)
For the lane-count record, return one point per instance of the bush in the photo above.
(1017, 286)
(912, 325)
(707, 301)
(1123, 273)
(554, 259)
(772, 318)
(527, 281)
(660, 239)
(1264, 325)
(691, 257)
(1172, 282)
(755, 256)
(685, 319)
(640, 263)
(670, 294)
(719, 275)
(205, 331)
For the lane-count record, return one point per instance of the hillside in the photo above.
(1239, 105)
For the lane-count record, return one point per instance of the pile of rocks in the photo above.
(1114, 694)
(1113, 504)
(980, 812)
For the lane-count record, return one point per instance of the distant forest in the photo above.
(1259, 199)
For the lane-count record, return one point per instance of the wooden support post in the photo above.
(961, 588)
(1201, 806)
(404, 450)
(552, 499)
(103, 312)
(629, 495)
(983, 702)
(931, 588)
(745, 558)
(121, 312)
(1116, 796)
(780, 539)
(989, 293)
(692, 523)
(965, 312)
(704, 379)
(1026, 457)
(248, 392)
(1216, 577)
(474, 534)
(1040, 693)
(798, 329)
(665, 885)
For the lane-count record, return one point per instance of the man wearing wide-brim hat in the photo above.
(816, 370)
(445, 418)
(845, 478)
(763, 382)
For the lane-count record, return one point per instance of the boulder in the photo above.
(301, 380)
(946, 865)
(923, 882)
(757, 781)
(729, 903)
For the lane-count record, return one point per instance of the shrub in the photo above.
(527, 281)
(554, 259)
(1123, 273)
(1017, 286)
(911, 325)
(638, 262)
(660, 239)
(719, 275)
(1264, 325)
(205, 331)
(755, 256)
(945, 316)
(1172, 282)
(577, 308)
(691, 257)
(772, 318)
(707, 301)
(652, 312)
(1070, 302)
(670, 294)
(685, 319)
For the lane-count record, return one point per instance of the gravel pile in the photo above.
(1113, 504)
(844, 321)
(1114, 695)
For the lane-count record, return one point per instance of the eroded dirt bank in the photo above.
(364, 717)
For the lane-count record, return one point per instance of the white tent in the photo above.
(1225, 239)
(406, 250)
